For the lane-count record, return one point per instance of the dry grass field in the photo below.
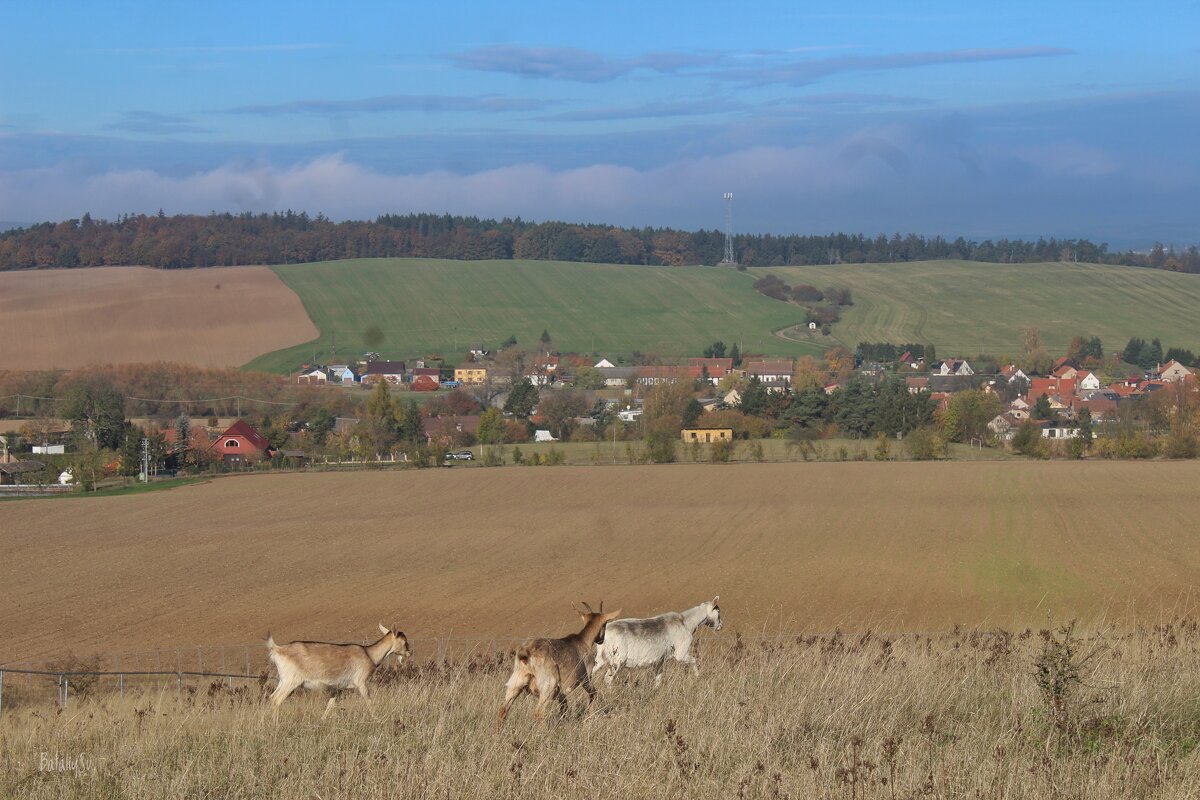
(955, 715)
(502, 552)
(211, 317)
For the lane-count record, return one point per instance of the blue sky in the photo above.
(1017, 119)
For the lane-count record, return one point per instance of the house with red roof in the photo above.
(717, 368)
(241, 444)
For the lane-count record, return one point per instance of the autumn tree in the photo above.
(96, 411)
(968, 413)
(809, 374)
(491, 427)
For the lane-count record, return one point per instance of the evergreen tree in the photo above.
(754, 398)
(1041, 408)
(736, 355)
(410, 426)
(522, 399)
(183, 439)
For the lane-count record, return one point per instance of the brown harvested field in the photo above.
(211, 317)
(498, 552)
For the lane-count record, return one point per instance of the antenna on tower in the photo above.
(728, 260)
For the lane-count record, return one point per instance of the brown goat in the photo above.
(550, 668)
(329, 666)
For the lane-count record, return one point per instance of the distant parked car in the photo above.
(450, 384)
(461, 455)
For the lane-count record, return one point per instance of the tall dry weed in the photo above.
(961, 714)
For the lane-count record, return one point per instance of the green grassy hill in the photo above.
(430, 305)
(968, 307)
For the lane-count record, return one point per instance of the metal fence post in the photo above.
(66, 690)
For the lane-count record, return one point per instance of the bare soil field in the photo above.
(502, 552)
(212, 317)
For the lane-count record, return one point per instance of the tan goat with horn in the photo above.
(549, 668)
(329, 666)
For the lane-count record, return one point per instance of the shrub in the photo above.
(720, 452)
(924, 444)
(1028, 440)
(883, 447)
(804, 293)
(518, 456)
(772, 286)
(660, 446)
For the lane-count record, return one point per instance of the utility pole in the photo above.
(145, 476)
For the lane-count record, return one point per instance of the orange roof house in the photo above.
(241, 443)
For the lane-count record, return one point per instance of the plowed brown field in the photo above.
(211, 317)
(497, 552)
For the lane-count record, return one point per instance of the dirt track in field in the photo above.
(210, 317)
(897, 546)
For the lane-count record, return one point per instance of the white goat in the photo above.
(329, 666)
(652, 641)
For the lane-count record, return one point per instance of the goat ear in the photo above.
(715, 599)
(384, 629)
(613, 614)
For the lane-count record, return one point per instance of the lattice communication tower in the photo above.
(729, 259)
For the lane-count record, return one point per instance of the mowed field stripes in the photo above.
(969, 307)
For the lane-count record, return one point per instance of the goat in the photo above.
(333, 667)
(549, 668)
(652, 641)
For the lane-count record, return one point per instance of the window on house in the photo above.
(232, 443)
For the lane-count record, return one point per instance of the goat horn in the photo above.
(601, 606)
(588, 607)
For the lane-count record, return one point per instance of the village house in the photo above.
(654, 375)
(1173, 372)
(343, 374)
(391, 371)
(241, 444)
(916, 384)
(452, 431)
(617, 377)
(953, 366)
(714, 368)
(1013, 373)
(706, 435)
(313, 376)
(543, 371)
(1060, 429)
(433, 373)
(471, 374)
(778, 370)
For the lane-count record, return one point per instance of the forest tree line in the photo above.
(188, 240)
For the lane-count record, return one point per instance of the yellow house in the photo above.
(706, 434)
(471, 374)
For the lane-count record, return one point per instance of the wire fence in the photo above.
(61, 679)
(182, 668)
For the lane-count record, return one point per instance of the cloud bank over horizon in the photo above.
(955, 121)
